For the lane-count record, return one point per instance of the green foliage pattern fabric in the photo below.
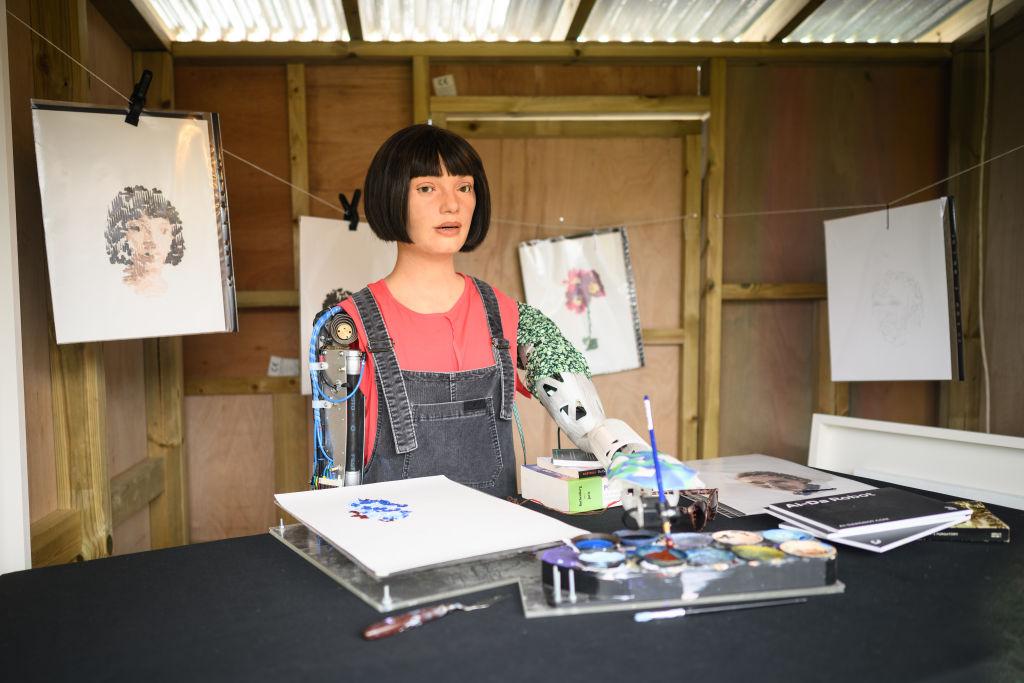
(552, 352)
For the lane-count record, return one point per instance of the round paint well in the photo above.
(687, 540)
(595, 542)
(561, 556)
(736, 537)
(815, 549)
(661, 556)
(636, 539)
(703, 557)
(601, 559)
(778, 536)
(758, 553)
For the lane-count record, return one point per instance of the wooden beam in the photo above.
(559, 51)
(831, 398)
(773, 19)
(298, 149)
(64, 22)
(579, 20)
(961, 22)
(571, 104)
(772, 291)
(291, 453)
(711, 311)
(420, 89)
(352, 20)
(960, 403)
(129, 24)
(80, 395)
(665, 336)
(164, 371)
(57, 538)
(807, 10)
(133, 489)
(239, 386)
(268, 298)
(557, 128)
(689, 370)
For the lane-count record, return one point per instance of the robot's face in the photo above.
(440, 212)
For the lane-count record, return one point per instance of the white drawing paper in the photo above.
(747, 483)
(584, 283)
(135, 221)
(888, 297)
(334, 262)
(410, 524)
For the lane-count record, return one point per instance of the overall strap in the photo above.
(392, 384)
(499, 346)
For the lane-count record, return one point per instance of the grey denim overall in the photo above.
(458, 424)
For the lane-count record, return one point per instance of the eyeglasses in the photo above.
(701, 510)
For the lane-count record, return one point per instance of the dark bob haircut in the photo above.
(421, 150)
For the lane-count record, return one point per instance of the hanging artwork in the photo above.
(891, 294)
(585, 284)
(410, 524)
(334, 263)
(136, 222)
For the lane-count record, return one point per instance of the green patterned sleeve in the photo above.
(552, 352)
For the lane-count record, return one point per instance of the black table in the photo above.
(251, 609)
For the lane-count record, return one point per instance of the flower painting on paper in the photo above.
(581, 286)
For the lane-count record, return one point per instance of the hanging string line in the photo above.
(561, 226)
(117, 92)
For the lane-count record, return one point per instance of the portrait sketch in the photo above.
(585, 284)
(135, 218)
(334, 263)
(888, 294)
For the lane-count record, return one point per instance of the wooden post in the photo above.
(420, 89)
(163, 368)
(689, 380)
(832, 398)
(960, 402)
(291, 452)
(711, 317)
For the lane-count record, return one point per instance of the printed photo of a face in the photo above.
(144, 233)
(781, 481)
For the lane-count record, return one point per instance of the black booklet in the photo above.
(875, 519)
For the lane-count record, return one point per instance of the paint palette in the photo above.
(635, 573)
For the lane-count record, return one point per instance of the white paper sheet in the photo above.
(584, 283)
(171, 281)
(747, 483)
(334, 260)
(888, 299)
(442, 522)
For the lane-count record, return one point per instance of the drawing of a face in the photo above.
(775, 480)
(898, 306)
(144, 233)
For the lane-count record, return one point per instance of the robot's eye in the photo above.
(581, 412)
(565, 410)
(557, 377)
(548, 389)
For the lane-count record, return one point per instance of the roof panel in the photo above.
(670, 20)
(873, 21)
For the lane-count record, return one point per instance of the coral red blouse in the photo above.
(452, 341)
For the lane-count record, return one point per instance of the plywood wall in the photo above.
(801, 136)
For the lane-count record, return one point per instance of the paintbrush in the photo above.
(666, 521)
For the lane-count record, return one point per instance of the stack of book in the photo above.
(876, 519)
(568, 482)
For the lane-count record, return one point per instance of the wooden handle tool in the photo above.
(400, 623)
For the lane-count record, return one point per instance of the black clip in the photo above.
(138, 98)
(351, 210)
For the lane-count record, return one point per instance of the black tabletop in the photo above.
(252, 609)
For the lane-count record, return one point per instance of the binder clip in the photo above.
(138, 98)
(351, 209)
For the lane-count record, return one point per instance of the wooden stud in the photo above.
(664, 336)
(769, 25)
(352, 21)
(571, 104)
(962, 21)
(579, 20)
(57, 538)
(832, 398)
(560, 128)
(772, 291)
(230, 386)
(134, 488)
(291, 456)
(268, 298)
(689, 366)
(711, 312)
(798, 17)
(298, 146)
(960, 403)
(65, 23)
(560, 51)
(420, 89)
